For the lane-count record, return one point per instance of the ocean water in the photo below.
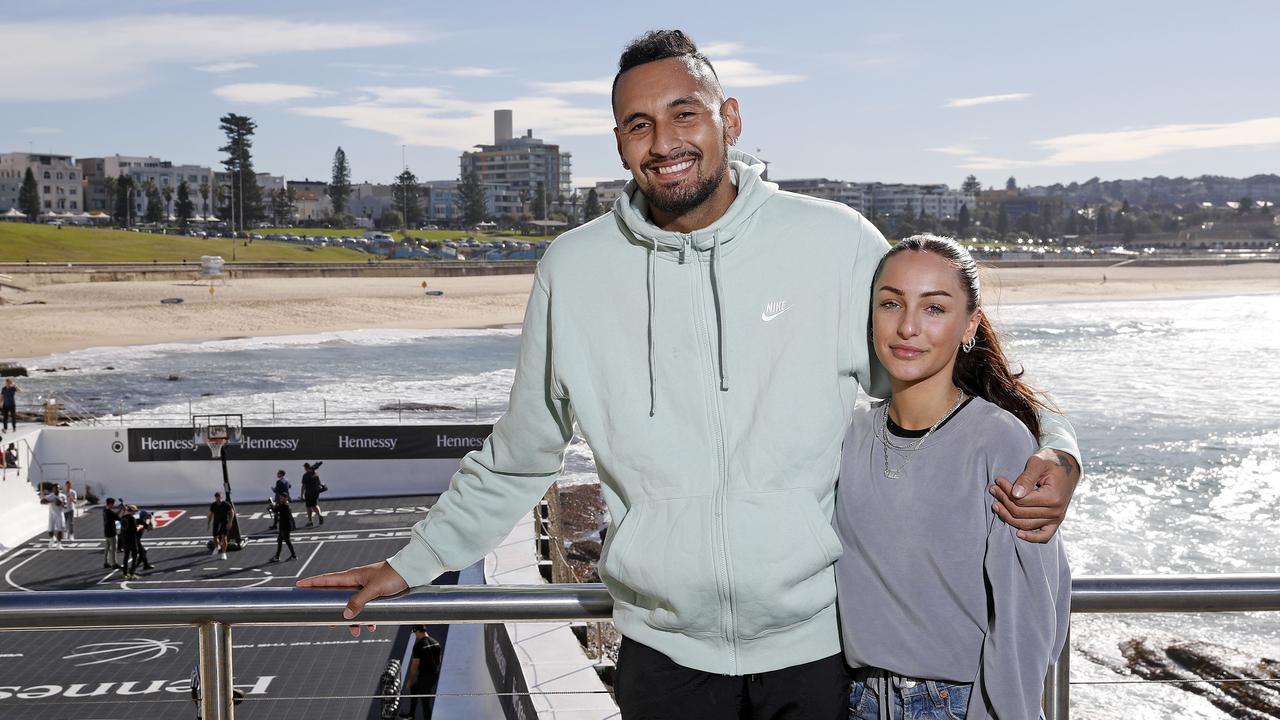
(1175, 404)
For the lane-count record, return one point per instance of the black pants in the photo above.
(649, 686)
(130, 560)
(282, 538)
(8, 418)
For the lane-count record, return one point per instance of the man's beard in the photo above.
(680, 200)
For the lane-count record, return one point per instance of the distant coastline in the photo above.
(51, 318)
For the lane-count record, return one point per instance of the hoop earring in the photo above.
(969, 344)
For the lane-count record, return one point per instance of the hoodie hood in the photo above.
(745, 172)
(631, 209)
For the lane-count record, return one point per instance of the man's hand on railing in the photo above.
(372, 581)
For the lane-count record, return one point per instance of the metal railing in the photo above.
(215, 612)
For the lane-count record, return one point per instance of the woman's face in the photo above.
(918, 317)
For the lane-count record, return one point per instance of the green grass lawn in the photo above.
(20, 242)
(420, 234)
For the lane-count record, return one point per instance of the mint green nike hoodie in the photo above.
(713, 374)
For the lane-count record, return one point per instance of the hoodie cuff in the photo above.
(417, 564)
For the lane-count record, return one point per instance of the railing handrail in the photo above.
(216, 612)
(535, 603)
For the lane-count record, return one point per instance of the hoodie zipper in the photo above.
(718, 501)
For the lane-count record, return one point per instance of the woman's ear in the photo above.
(974, 320)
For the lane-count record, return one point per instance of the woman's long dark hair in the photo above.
(984, 371)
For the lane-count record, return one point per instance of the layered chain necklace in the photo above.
(886, 444)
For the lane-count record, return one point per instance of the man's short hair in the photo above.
(658, 45)
(111, 501)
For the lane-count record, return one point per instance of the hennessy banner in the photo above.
(360, 442)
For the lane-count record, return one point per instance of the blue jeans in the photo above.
(915, 700)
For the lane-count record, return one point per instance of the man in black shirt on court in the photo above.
(219, 521)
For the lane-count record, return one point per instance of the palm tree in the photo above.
(204, 197)
(109, 185)
(167, 193)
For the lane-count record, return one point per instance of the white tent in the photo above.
(13, 214)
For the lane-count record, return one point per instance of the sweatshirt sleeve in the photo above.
(500, 482)
(1057, 433)
(1023, 616)
(872, 246)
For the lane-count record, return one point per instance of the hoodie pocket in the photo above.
(783, 548)
(659, 561)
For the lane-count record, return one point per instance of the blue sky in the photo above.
(907, 92)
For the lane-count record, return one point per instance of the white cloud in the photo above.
(434, 117)
(744, 73)
(953, 150)
(226, 67)
(986, 100)
(599, 86)
(268, 92)
(113, 56)
(1140, 144)
(1146, 143)
(720, 49)
(475, 72)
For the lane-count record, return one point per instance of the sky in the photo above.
(892, 92)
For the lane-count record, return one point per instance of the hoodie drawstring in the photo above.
(721, 312)
(653, 329)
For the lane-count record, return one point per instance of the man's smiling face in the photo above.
(673, 131)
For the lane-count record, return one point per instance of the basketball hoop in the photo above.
(216, 432)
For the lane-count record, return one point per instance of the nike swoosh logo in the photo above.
(767, 316)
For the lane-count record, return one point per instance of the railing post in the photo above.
(1057, 686)
(217, 701)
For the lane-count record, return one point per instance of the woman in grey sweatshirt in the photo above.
(944, 612)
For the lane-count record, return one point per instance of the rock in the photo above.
(417, 407)
(173, 378)
(12, 370)
(1206, 661)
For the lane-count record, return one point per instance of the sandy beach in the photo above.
(57, 318)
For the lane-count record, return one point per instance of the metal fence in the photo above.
(216, 612)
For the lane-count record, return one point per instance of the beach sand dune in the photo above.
(57, 318)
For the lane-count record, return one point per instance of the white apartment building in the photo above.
(141, 169)
(855, 195)
(886, 198)
(57, 179)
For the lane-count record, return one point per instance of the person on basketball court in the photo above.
(284, 526)
(219, 522)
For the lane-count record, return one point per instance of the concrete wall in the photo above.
(21, 514)
(110, 473)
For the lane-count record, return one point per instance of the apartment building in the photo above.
(57, 179)
(142, 169)
(519, 163)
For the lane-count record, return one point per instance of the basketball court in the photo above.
(285, 673)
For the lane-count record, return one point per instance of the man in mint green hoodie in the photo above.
(708, 338)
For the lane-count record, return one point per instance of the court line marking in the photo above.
(8, 576)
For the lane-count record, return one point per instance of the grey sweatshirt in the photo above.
(933, 585)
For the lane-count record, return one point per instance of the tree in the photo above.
(124, 200)
(1011, 183)
(340, 183)
(166, 192)
(109, 188)
(1124, 208)
(155, 209)
(1103, 220)
(540, 202)
(246, 194)
(471, 202)
(971, 185)
(1246, 204)
(29, 196)
(185, 208)
(405, 195)
(962, 222)
(1002, 222)
(204, 197)
(1073, 223)
(282, 205)
(591, 206)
